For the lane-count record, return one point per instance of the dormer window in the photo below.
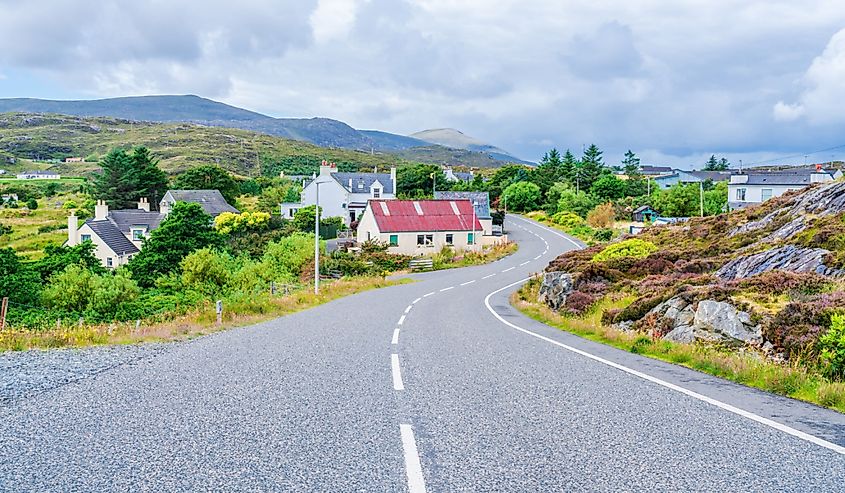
(360, 184)
(376, 193)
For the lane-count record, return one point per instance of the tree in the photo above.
(548, 172)
(608, 187)
(591, 168)
(631, 166)
(716, 199)
(504, 177)
(32, 204)
(18, 283)
(568, 167)
(713, 164)
(57, 258)
(117, 183)
(208, 177)
(578, 202)
(5, 229)
(151, 182)
(186, 228)
(678, 201)
(522, 196)
(416, 181)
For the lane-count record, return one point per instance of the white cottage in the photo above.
(757, 186)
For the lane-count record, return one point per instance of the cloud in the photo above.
(333, 19)
(824, 83)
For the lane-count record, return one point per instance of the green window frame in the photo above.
(394, 240)
(470, 238)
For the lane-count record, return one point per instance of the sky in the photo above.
(758, 81)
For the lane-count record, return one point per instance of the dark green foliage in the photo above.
(186, 228)
(126, 178)
(522, 196)
(5, 229)
(418, 180)
(151, 181)
(549, 170)
(58, 258)
(17, 282)
(608, 187)
(32, 204)
(300, 165)
(590, 168)
(604, 234)
(209, 178)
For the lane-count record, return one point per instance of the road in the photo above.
(437, 385)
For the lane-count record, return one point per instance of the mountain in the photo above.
(323, 132)
(455, 139)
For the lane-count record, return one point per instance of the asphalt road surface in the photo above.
(437, 385)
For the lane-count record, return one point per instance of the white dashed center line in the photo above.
(468, 282)
(397, 377)
(395, 339)
(447, 289)
(416, 301)
(401, 320)
(524, 263)
(538, 256)
(408, 309)
(512, 268)
(428, 294)
(488, 277)
(413, 468)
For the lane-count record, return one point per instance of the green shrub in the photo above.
(206, 270)
(567, 219)
(832, 347)
(285, 259)
(32, 204)
(633, 248)
(604, 234)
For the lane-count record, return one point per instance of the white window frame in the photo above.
(741, 194)
(763, 193)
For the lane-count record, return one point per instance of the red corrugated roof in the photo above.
(437, 215)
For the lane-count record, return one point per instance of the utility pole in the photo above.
(473, 224)
(317, 243)
(701, 197)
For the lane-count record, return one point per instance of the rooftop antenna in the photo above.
(740, 165)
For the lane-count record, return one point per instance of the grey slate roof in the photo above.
(463, 175)
(366, 178)
(212, 201)
(778, 179)
(112, 237)
(482, 210)
(648, 168)
(124, 219)
(711, 175)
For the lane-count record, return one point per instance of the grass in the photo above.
(197, 323)
(487, 255)
(26, 238)
(748, 368)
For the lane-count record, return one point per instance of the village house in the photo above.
(481, 202)
(422, 227)
(756, 186)
(118, 235)
(342, 194)
(39, 175)
(455, 176)
(687, 177)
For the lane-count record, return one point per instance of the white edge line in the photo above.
(695, 395)
(428, 294)
(397, 375)
(447, 289)
(413, 468)
(468, 282)
(408, 309)
(395, 339)
(401, 320)
(416, 301)
(570, 240)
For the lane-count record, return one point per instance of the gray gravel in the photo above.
(26, 373)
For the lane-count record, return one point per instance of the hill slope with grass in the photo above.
(767, 279)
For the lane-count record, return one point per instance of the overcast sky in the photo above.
(673, 80)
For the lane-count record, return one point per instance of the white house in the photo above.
(481, 202)
(422, 227)
(118, 234)
(757, 186)
(39, 175)
(343, 194)
(455, 176)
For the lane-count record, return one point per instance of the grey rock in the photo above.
(555, 288)
(718, 321)
(787, 258)
(681, 333)
(624, 326)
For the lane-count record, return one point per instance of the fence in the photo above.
(418, 264)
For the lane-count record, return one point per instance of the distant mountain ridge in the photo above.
(323, 132)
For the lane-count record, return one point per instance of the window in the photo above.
(343, 205)
(109, 262)
(470, 238)
(449, 239)
(137, 234)
(740, 194)
(86, 237)
(394, 240)
(766, 193)
(376, 193)
(420, 240)
(425, 240)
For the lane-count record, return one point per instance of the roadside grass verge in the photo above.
(748, 368)
(447, 259)
(198, 322)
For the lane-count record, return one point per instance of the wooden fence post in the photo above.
(4, 307)
(219, 312)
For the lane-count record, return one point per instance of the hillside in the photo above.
(323, 132)
(455, 139)
(767, 278)
(179, 145)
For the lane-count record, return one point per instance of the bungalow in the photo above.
(757, 186)
(421, 227)
(455, 176)
(118, 234)
(342, 194)
(39, 175)
(685, 177)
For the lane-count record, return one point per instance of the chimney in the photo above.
(327, 168)
(393, 179)
(350, 183)
(101, 210)
(144, 204)
(72, 229)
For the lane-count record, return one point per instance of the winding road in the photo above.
(437, 385)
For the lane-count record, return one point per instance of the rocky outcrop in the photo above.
(788, 258)
(709, 320)
(555, 288)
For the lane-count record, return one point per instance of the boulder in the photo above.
(787, 258)
(718, 321)
(681, 333)
(555, 288)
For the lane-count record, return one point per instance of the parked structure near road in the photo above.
(643, 213)
(343, 194)
(39, 175)
(757, 186)
(118, 234)
(422, 227)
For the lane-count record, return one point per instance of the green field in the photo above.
(26, 238)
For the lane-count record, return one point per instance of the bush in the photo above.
(797, 328)
(639, 308)
(206, 271)
(229, 222)
(635, 248)
(604, 234)
(567, 219)
(578, 303)
(602, 216)
(522, 196)
(285, 259)
(32, 204)
(78, 290)
(832, 347)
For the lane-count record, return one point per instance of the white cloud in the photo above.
(785, 112)
(333, 19)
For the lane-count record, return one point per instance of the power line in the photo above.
(803, 154)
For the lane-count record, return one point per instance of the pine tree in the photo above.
(711, 163)
(567, 167)
(548, 172)
(723, 165)
(631, 165)
(591, 168)
(117, 182)
(151, 182)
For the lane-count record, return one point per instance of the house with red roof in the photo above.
(421, 227)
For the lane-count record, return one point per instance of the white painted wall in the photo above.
(754, 193)
(101, 250)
